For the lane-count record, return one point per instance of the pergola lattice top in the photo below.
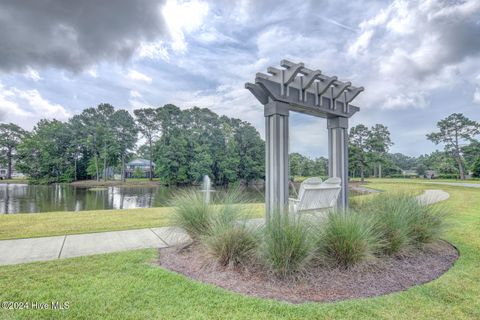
(305, 90)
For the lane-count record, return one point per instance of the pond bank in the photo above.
(116, 183)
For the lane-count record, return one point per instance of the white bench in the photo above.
(315, 195)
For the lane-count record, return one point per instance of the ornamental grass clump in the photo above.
(229, 240)
(391, 215)
(403, 221)
(191, 213)
(288, 246)
(427, 224)
(231, 244)
(347, 239)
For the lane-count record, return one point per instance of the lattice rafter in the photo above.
(305, 90)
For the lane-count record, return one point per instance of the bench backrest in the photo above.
(314, 181)
(314, 196)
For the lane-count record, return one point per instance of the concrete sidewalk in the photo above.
(76, 245)
(51, 248)
(433, 196)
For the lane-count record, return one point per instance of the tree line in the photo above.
(368, 151)
(184, 145)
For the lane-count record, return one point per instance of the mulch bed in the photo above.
(379, 277)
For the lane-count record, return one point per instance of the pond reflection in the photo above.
(24, 198)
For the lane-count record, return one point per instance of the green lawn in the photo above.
(129, 286)
(419, 180)
(29, 225)
(16, 180)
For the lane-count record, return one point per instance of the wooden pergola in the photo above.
(297, 88)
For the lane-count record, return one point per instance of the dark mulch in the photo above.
(382, 276)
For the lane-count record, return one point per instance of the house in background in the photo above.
(409, 173)
(3, 173)
(430, 174)
(138, 168)
(15, 174)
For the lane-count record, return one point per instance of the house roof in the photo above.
(140, 162)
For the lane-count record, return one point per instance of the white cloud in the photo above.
(135, 94)
(183, 17)
(405, 100)
(136, 100)
(32, 74)
(8, 106)
(138, 76)
(153, 50)
(361, 44)
(29, 105)
(476, 95)
(41, 105)
(93, 72)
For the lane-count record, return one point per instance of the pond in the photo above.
(24, 198)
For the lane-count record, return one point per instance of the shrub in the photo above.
(447, 176)
(231, 244)
(287, 245)
(403, 221)
(347, 239)
(191, 213)
(391, 213)
(232, 205)
(398, 175)
(476, 168)
(228, 239)
(426, 224)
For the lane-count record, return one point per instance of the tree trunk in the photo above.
(9, 159)
(96, 168)
(151, 156)
(7, 200)
(460, 168)
(380, 170)
(123, 169)
(105, 169)
(75, 176)
(362, 174)
(458, 157)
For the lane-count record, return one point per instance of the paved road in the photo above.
(59, 247)
(457, 184)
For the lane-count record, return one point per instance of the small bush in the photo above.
(426, 224)
(391, 213)
(228, 239)
(398, 175)
(402, 221)
(191, 213)
(347, 239)
(287, 246)
(447, 176)
(231, 244)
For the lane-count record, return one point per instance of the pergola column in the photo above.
(276, 153)
(338, 155)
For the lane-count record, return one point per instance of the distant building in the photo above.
(15, 174)
(138, 167)
(409, 173)
(3, 173)
(431, 174)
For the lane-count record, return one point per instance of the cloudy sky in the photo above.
(419, 61)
